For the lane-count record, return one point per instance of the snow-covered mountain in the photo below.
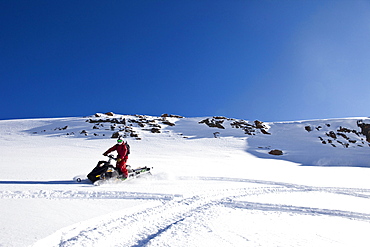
(216, 181)
(339, 142)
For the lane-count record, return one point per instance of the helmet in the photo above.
(119, 141)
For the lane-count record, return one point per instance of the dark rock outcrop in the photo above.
(276, 152)
(170, 115)
(213, 123)
(365, 129)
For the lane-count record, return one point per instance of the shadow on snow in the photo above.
(40, 182)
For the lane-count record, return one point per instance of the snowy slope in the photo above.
(211, 186)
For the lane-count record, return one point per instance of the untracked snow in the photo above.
(213, 183)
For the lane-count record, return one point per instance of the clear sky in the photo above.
(271, 60)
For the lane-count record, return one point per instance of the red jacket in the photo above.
(121, 150)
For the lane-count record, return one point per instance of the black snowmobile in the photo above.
(105, 172)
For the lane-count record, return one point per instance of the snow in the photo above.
(204, 191)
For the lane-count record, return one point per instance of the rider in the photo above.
(123, 151)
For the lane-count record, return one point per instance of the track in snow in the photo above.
(179, 219)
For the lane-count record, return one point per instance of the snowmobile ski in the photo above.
(81, 179)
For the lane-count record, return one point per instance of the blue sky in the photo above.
(251, 59)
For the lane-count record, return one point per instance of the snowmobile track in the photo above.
(72, 194)
(175, 214)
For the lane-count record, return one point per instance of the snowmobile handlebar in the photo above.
(111, 157)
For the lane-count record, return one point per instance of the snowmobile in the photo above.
(104, 172)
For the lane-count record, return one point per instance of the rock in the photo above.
(213, 123)
(365, 129)
(111, 114)
(115, 135)
(166, 115)
(64, 128)
(345, 130)
(83, 132)
(155, 130)
(343, 135)
(332, 135)
(265, 132)
(259, 124)
(132, 134)
(168, 123)
(276, 152)
(110, 120)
